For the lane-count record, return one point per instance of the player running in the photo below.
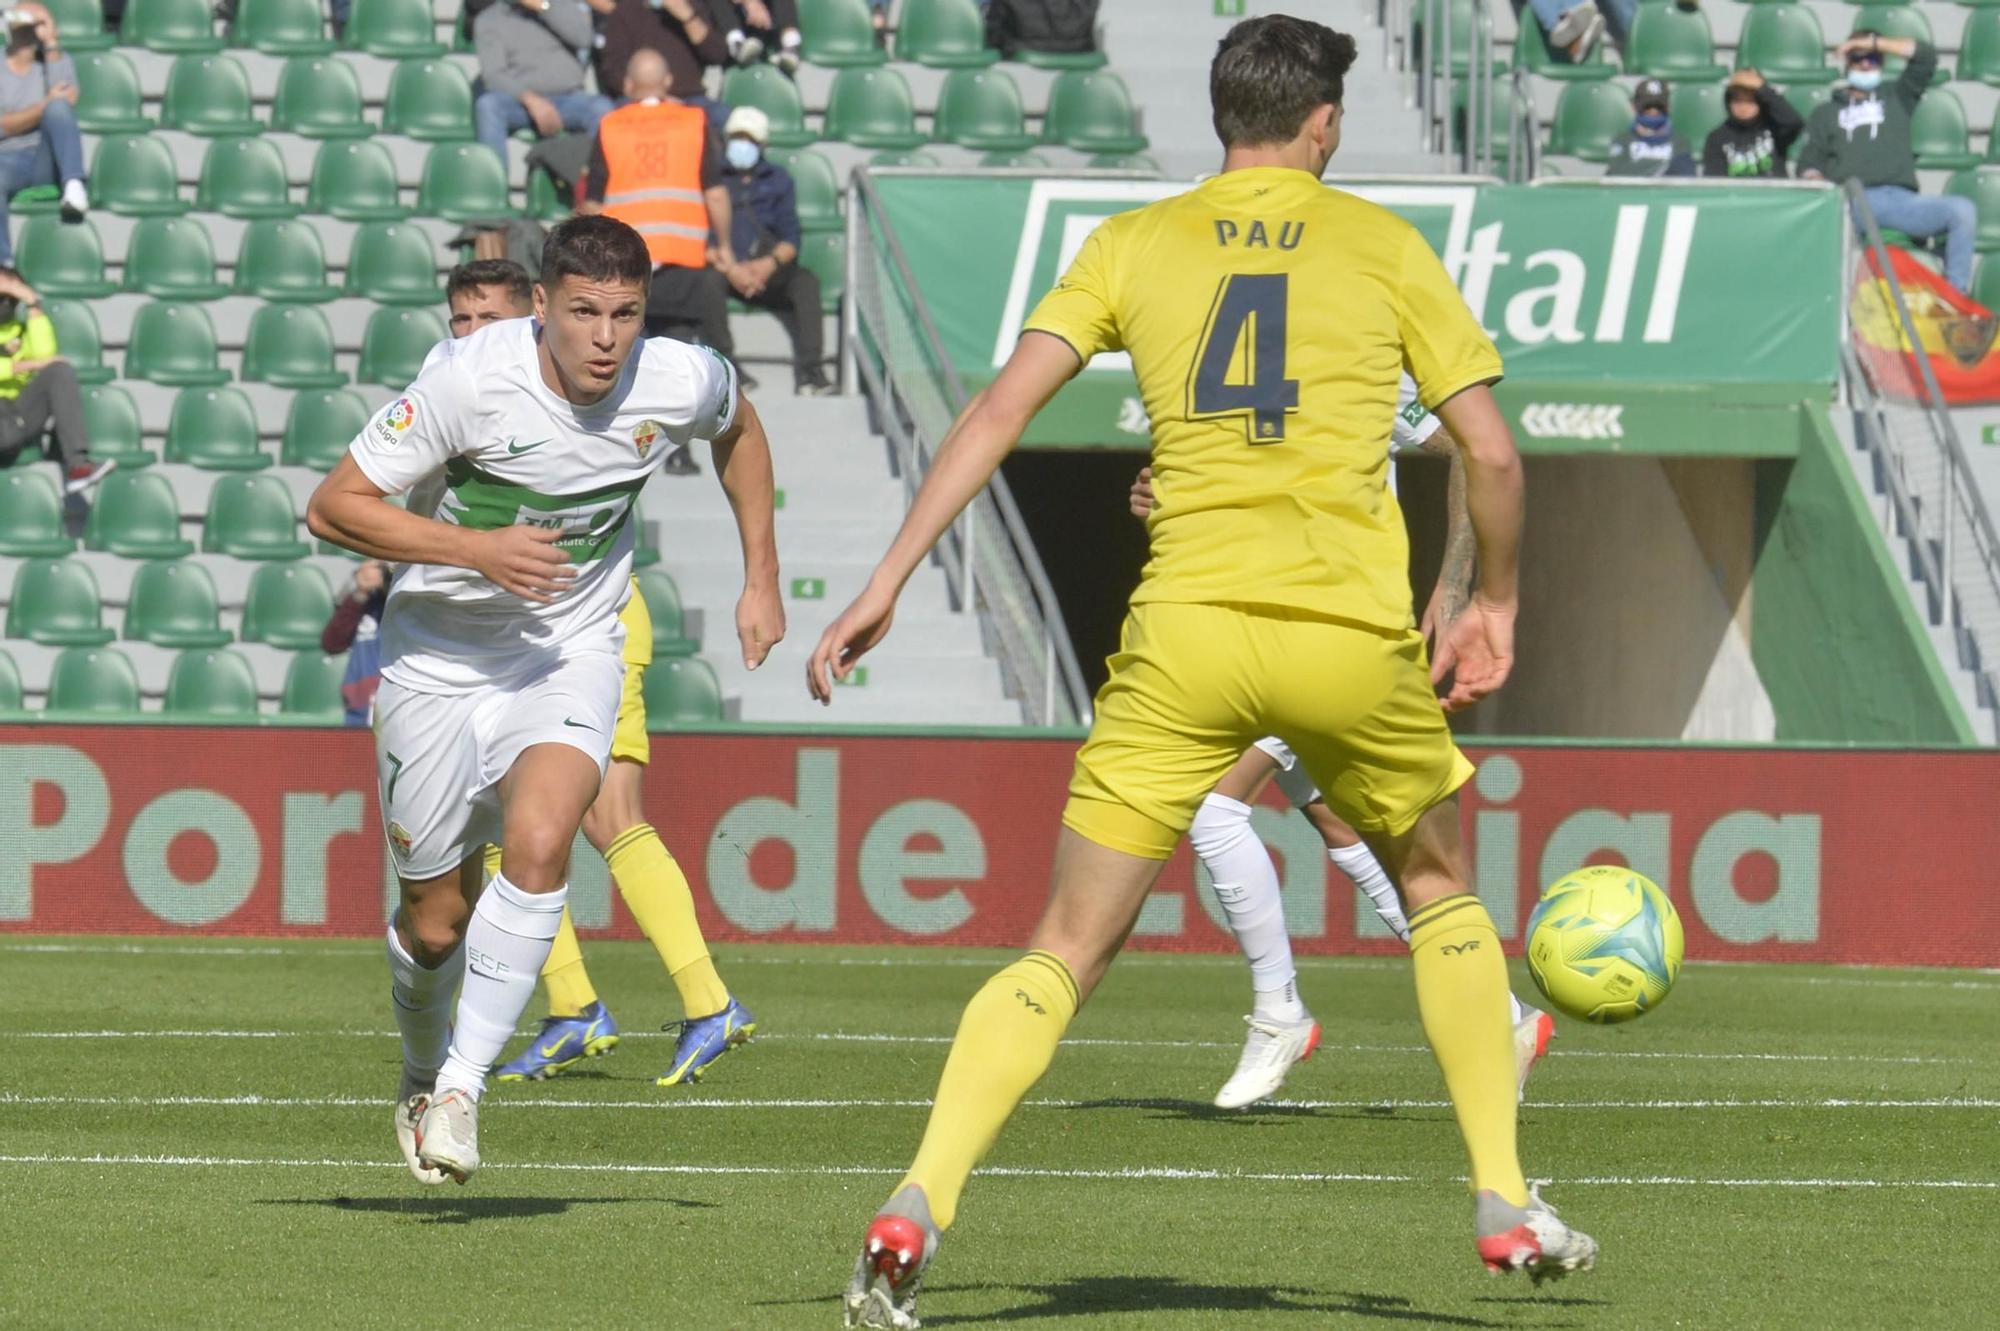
(501, 672)
(579, 1026)
(1268, 318)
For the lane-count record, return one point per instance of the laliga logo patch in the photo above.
(645, 434)
(396, 418)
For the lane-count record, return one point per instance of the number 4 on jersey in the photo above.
(1240, 370)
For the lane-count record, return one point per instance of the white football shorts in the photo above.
(1293, 778)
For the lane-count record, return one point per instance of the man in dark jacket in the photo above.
(1863, 134)
(1753, 143)
(1065, 26)
(685, 34)
(1652, 147)
(765, 238)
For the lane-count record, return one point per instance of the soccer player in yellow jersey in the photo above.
(1268, 319)
(578, 1025)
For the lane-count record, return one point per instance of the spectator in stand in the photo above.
(683, 32)
(760, 28)
(39, 392)
(765, 235)
(1753, 143)
(40, 143)
(486, 291)
(531, 71)
(1863, 134)
(1652, 147)
(356, 628)
(1060, 26)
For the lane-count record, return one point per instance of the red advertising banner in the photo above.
(1770, 855)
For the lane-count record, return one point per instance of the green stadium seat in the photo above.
(464, 182)
(1784, 44)
(429, 100)
(1023, 159)
(1588, 116)
(398, 29)
(171, 257)
(79, 341)
(767, 89)
(1061, 60)
(62, 259)
(109, 99)
(1457, 28)
(1092, 112)
(546, 202)
(217, 683)
(321, 424)
(55, 603)
(287, 606)
(81, 24)
(112, 419)
(395, 344)
(872, 108)
(818, 189)
(824, 253)
(173, 604)
(134, 175)
(31, 513)
(170, 26)
(1986, 284)
(663, 605)
(355, 180)
(290, 346)
(1124, 162)
(682, 691)
(280, 259)
(215, 429)
(136, 516)
(1979, 47)
(1982, 186)
(1698, 108)
(209, 95)
(245, 178)
(944, 34)
(1674, 44)
(251, 517)
(981, 108)
(319, 97)
(10, 685)
(1940, 134)
(1531, 48)
(281, 27)
(98, 681)
(393, 263)
(173, 342)
(839, 33)
(312, 687)
(906, 157)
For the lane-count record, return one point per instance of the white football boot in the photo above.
(1268, 1054)
(447, 1135)
(411, 1098)
(900, 1244)
(1531, 1238)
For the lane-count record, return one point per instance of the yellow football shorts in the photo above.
(629, 740)
(1193, 686)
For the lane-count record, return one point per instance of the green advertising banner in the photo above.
(1626, 315)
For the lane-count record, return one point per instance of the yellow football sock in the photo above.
(1006, 1040)
(570, 990)
(657, 893)
(1462, 998)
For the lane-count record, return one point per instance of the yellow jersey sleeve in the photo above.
(1444, 348)
(1079, 309)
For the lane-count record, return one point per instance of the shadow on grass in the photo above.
(446, 1209)
(1262, 1115)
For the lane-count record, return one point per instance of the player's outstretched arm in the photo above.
(1481, 642)
(743, 465)
(979, 440)
(352, 511)
(1454, 584)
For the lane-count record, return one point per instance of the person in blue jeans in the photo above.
(39, 141)
(1574, 26)
(1863, 134)
(531, 69)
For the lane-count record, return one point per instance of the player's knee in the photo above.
(434, 933)
(536, 855)
(1218, 824)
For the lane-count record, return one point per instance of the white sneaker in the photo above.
(411, 1097)
(447, 1135)
(1532, 1034)
(1531, 1238)
(75, 199)
(1273, 1047)
(1577, 31)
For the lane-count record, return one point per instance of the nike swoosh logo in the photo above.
(549, 1050)
(578, 724)
(513, 447)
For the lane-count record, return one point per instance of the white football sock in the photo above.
(1246, 883)
(505, 946)
(1359, 863)
(422, 998)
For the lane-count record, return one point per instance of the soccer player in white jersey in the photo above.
(1282, 1032)
(502, 673)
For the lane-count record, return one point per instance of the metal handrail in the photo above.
(988, 549)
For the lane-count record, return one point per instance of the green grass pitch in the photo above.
(1776, 1147)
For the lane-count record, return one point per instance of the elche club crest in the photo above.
(644, 434)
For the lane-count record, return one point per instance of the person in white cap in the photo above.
(760, 259)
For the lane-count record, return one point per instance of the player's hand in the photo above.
(1480, 644)
(760, 622)
(1142, 493)
(525, 561)
(1442, 612)
(860, 627)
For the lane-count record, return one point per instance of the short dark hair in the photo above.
(491, 273)
(596, 248)
(1270, 73)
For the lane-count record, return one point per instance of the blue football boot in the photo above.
(561, 1044)
(705, 1039)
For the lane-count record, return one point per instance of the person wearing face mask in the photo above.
(1652, 147)
(1753, 142)
(764, 208)
(1863, 133)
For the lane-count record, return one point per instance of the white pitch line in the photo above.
(1136, 1173)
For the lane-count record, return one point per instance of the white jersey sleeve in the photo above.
(715, 391)
(1412, 424)
(414, 435)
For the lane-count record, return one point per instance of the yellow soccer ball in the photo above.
(1604, 944)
